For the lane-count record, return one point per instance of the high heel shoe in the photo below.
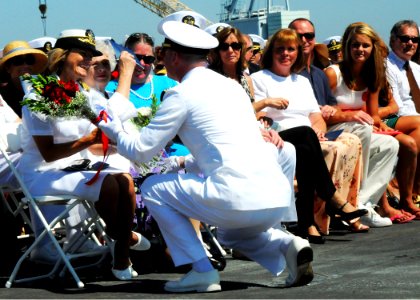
(345, 216)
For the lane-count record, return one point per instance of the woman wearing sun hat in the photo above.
(19, 58)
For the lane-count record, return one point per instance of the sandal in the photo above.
(351, 217)
(358, 227)
(402, 218)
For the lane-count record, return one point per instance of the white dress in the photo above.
(48, 178)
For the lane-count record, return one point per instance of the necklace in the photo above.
(151, 91)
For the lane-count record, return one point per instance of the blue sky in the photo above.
(21, 19)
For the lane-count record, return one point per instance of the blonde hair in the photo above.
(373, 72)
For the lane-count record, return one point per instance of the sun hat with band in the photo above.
(15, 49)
(77, 39)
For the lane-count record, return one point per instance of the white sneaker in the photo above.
(46, 254)
(195, 282)
(373, 219)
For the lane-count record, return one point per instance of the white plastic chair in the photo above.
(92, 227)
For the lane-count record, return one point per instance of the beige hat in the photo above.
(17, 48)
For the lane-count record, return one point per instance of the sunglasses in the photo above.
(307, 35)
(235, 46)
(148, 59)
(406, 38)
(23, 59)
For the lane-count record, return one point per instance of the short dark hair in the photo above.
(396, 29)
(302, 20)
(139, 37)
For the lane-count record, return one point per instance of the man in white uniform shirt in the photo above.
(404, 40)
(241, 189)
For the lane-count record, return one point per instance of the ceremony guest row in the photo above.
(242, 134)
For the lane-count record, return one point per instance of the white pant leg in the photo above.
(172, 199)
(380, 154)
(382, 161)
(268, 248)
(287, 161)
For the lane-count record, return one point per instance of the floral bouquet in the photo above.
(156, 165)
(58, 99)
(63, 99)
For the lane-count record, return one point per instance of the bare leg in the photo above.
(116, 206)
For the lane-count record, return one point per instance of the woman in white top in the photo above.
(287, 98)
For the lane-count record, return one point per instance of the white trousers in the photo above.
(168, 198)
(380, 155)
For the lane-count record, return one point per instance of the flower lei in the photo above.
(143, 118)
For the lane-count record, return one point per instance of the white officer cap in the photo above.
(185, 16)
(215, 28)
(182, 36)
(333, 42)
(44, 43)
(79, 39)
(257, 40)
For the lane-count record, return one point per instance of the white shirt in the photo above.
(213, 117)
(294, 88)
(397, 78)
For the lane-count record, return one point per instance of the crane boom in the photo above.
(163, 7)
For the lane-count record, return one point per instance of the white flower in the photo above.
(145, 111)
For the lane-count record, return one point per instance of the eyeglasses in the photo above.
(235, 46)
(406, 38)
(28, 59)
(309, 36)
(148, 59)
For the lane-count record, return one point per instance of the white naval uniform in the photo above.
(242, 190)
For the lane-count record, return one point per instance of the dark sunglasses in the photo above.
(406, 38)
(148, 59)
(28, 59)
(307, 35)
(235, 46)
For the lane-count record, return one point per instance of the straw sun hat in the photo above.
(17, 48)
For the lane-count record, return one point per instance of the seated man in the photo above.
(242, 190)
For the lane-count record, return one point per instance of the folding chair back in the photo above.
(92, 228)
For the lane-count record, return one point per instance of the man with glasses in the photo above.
(404, 40)
(249, 53)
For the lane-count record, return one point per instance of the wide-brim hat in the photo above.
(215, 28)
(77, 39)
(188, 37)
(17, 48)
